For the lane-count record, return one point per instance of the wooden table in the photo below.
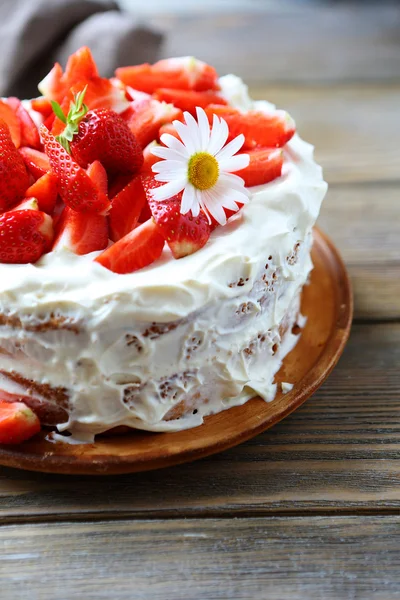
(310, 509)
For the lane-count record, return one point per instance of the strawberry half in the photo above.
(146, 116)
(36, 162)
(81, 232)
(29, 131)
(74, 184)
(25, 236)
(126, 208)
(7, 114)
(265, 165)
(18, 422)
(272, 130)
(52, 86)
(138, 249)
(184, 234)
(45, 191)
(185, 73)
(14, 178)
(187, 100)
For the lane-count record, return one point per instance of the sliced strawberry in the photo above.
(81, 232)
(43, 106)
(265, 165)
(138, 249)
(7, 114)
(80, 67)
(145, 215)
(147, 116)
(27, 204)
(272, 130)
(126, 208)
(188, 99)
(45, 191)
(29, 131)
(74, 184)
(185, 73)
(25, 236)
(52, 86)
(17, 422)
(98, 175)
(36, 162)
(14, 178)
(184, 234)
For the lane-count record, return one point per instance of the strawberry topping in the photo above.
(136, 250)
(17, 422)
(25, 236)
(14, 178)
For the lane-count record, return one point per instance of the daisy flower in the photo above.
(200, 165)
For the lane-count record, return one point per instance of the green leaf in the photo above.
(58, 111)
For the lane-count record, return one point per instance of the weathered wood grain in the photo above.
(354, 127)
(303, 44)
(363, 221)
(235, 559)
(339, 452)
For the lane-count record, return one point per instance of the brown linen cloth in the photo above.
(36, 33)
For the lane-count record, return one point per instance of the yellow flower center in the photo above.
(203, 170)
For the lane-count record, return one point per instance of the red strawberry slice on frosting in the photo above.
(188, 100)
(8, 115)
(25, 236)
(146, 116)
(126, 209)
(136, 250)
(184, 234)
(14, 178)
(18, 422)
(184, 73)
(45, 191)
(273, 129)
(81, 232)
(265, 165)
(74, 184)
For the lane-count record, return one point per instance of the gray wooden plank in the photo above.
(236, 559)
(339, 452)
(305, 43)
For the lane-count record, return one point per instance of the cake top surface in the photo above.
(146, 194)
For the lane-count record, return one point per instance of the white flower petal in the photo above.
(212, 203)
(193, 129)
(234, 163)
(231, 148)
(169, 165)
(169, 189)
(186, 137)
(175, 144)
(167, 153)
(168, 176)
(204, 128)
(219, 135)
(233, 182)
(188, 199)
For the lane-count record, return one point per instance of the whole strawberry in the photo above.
(25, 236)
(14, 178)
(75, 186)
(100, 134)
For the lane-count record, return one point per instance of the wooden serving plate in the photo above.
(327, 303)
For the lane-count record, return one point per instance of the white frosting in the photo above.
(99, 364)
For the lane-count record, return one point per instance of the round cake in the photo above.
(139, 324)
